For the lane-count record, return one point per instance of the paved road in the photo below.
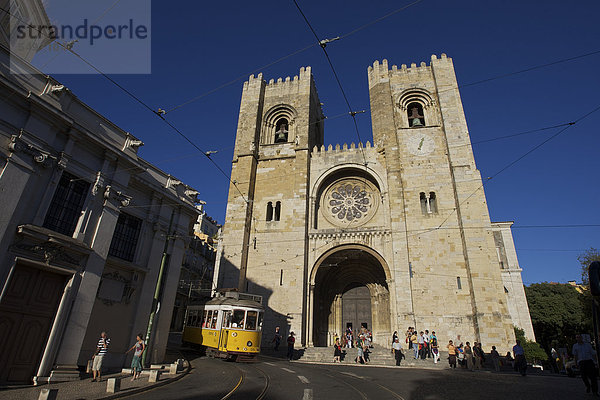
(213, 379)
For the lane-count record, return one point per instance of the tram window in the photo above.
(208, 319)
(214, 320)
(203, 322)
(189, 318)
(227, 319)
(238, 318)
(260, 319)
(251, 320)
(194, 320)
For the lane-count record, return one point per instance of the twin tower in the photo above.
(385, 235)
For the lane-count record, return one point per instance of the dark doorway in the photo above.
(350, 288)
(356, 307)
(27, 312)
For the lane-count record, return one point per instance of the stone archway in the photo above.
(349, 286)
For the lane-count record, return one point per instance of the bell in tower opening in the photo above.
(415, 115)
(281, 131)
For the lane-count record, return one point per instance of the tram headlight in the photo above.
(234, 334)
(249, 344)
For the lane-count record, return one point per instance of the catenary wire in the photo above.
(140, 101)
(322, 44)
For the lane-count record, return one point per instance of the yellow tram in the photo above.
(228, 326)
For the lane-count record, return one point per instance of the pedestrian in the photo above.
(477, 356)
(469, 356)
(481, 354)
(136, 363)
(520, 361)
(394, 337)
(427, 346)
(360, 354)
(495, 359)
(276, 339)
(451, 354)
(98, 357)
(460, 355)
(584, 357)
(397, 348)
(337, 351)
(290, 342)
(415, 343)
(435, 349)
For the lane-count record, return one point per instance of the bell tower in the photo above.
(441, 224)
(267, 209)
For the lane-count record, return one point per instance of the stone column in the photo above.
(70, 348)
(310, 313)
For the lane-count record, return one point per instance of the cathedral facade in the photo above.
(385, 235)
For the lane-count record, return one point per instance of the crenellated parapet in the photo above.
(353, 148)
(380, 71)
(287, 84)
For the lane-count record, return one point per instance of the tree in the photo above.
(557, 312)
(585, 259)
(533, 351)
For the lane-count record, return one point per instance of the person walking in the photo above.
(337, 351)
(435, 349)
(290, 342)
(451, 354)
(415, 343)
(276, 339)
(495, 359)
(426, 338)
(98, 357)
(136, 363)
(469, 356)
(397, 347)
(584, 357)
(520, 361)
(421, 344)
(477, 356)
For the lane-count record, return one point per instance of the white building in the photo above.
(82, 230)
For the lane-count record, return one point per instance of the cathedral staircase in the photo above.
(378, 356)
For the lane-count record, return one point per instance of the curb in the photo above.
(149, 387)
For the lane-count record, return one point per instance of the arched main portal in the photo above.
(350, 287)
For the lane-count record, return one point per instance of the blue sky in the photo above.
(198, 47)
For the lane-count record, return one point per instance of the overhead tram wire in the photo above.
(137, 99)
(231, 82)
(513, 163)
(323, 43)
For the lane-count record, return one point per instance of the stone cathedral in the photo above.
(386, 235)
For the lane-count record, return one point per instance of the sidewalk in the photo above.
(88, 390)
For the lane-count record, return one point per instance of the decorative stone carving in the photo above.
(193, 195)
(98, 183)
(121, 197)
(49, 252)
(350, 202)
(18, 145)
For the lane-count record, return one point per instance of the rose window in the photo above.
(349, 202)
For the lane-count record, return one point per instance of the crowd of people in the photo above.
(361, 340)
(423, 345)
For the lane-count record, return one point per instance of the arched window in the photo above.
(277, 210)
(281, 130)
(416, 118)
(269, 211)
(433, 203)
(423, 199)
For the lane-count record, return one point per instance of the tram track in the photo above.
(360, 392)
(244, 379)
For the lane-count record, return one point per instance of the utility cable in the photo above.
(323, 44)
(229, 83)
(137, 99)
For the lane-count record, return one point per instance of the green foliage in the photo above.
(533, 351)
(557, 312)
(585, 259)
